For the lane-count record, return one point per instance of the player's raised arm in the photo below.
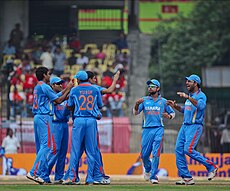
(111, 88)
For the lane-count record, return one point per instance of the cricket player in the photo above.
(191, 130)
(86, 101)
(99, 175)
(59, 135)
(43, 96)
(154, 108)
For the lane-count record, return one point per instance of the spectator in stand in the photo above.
(123, 57)
(29, 102)
(16, 102)
(121, 43)
(83, 59)
(89, 53)
(30, 80)
(100, 55)
(47, 58)
(59, 61)
(96, 68)
(9, 49)
(116, 100)
(72, 60)
(36, 54)
(10, 143)
(26, 63)
(17, 36)
(108, 71)
(75, 43)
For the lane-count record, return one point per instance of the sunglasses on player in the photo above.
(59, 83)
(152, 86)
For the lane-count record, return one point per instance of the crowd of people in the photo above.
(64, 56)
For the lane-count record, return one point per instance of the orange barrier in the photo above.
(130, 163)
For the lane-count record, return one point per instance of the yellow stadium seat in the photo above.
(92, 61)
(111, 46)
(75, 69)
(103, 67)
(8, 56)
(125, 51)
(68, 52)
(95, 51)
(77, 55)
(92, 46)
(67, 69)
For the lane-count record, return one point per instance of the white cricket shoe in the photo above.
(70, 182)
(103, 182)
(34, 178)
(185, 181)
(212, 174)
(147, 176)
(154, 181)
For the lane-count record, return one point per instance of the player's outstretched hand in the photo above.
(70, 85)
(182, 94)
(171, 103)
(117, 75)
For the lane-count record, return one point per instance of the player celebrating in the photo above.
(59, 135)
(155, 108)
(86, 101)
(43, 95)
(191, 130)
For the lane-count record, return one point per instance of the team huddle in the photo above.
(53, 106)
(52, 109)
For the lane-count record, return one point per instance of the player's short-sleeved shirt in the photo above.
(43, 95)
(60, 111)
(195, 114)
(153, 111)
(99, 87)
(86, 100)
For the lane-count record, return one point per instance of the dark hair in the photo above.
(8, 130)
(40, 72)
(90, 74)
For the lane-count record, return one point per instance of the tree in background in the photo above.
(198, 41)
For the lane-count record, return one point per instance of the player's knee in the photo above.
(188, 150)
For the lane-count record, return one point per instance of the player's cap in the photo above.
(55, 80)
(194, 78)
(81, 75)
(154, 81)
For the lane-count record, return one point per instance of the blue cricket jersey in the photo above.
(99, 87)
(86, 100)
(153, 111)
(43, 95)
(61, 113)
(195, 114)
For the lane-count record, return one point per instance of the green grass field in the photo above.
(120, 184)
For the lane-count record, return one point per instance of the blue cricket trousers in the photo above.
(84, 134)
(59, 140)
(42, 130)
(152, 141)
(187, 140)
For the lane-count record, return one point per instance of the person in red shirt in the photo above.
(30, 80)
(116, 100)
